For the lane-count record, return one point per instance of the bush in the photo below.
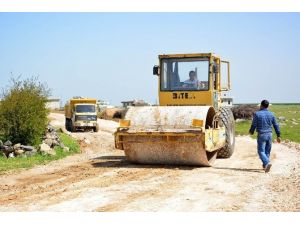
(23, 113)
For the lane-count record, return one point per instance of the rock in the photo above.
(8, 143)
(29, 153)
(59, 130)
(1, 144)
(61, 145)
(55, 137)
(282, 118)
(48, 136)
(28, 148)
(19, 152)
(49, 142)
(50, 128)
(66, 149)
(55, 143)
(7, 149)
(87, 141)
(17, 146)
(81, 138)
(11, 155)
(44, 148)
(4, 155)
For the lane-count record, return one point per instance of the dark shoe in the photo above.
(268, 167)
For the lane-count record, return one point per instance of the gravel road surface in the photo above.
(100, 179)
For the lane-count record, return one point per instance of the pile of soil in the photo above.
(113, 114)
(244, 111)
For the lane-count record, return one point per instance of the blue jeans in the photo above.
(264, 145)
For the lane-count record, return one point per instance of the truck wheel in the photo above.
(227, 118)
(68, 124)
(96, 129)
(73, 128)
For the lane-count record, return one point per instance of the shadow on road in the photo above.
(111, 157)
(240, 169)
(121, 162)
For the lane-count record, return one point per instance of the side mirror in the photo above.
(215, 68)
(155, 70)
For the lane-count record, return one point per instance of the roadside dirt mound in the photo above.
(244, 111)
(113, 114)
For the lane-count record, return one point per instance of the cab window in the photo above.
(185, 74)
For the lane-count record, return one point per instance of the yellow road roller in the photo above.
(190, 126)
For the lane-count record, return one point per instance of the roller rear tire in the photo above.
(227, 119)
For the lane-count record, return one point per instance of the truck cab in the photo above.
(81, 114)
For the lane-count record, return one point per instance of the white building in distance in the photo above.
(53, 103)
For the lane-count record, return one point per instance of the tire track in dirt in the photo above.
(70, 182)
(38, 188)
(160, 184)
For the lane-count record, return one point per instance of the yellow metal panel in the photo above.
(215, 136)
(189, 55)
(219, 137)
(124, 123)
(83, 101)
(214, 139)
(165, 136)
(197, 123)
(208, 140)
(185, 98)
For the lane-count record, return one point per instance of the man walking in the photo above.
(262, 122)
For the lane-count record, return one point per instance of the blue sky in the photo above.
(110, 55)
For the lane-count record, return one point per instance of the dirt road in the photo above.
(99, 179)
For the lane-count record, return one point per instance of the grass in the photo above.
(290, 129)
(38, 159)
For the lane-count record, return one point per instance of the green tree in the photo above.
(23, 113)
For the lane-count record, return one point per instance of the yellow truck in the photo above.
(81, 114)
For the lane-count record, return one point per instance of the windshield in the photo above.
(86, 117)
(185, 74)
(85, 108)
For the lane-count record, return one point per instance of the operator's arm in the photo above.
(253, 125)
(277, 129)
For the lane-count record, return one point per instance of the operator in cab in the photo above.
(192, 82)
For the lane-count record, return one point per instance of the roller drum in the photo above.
(163, 135)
